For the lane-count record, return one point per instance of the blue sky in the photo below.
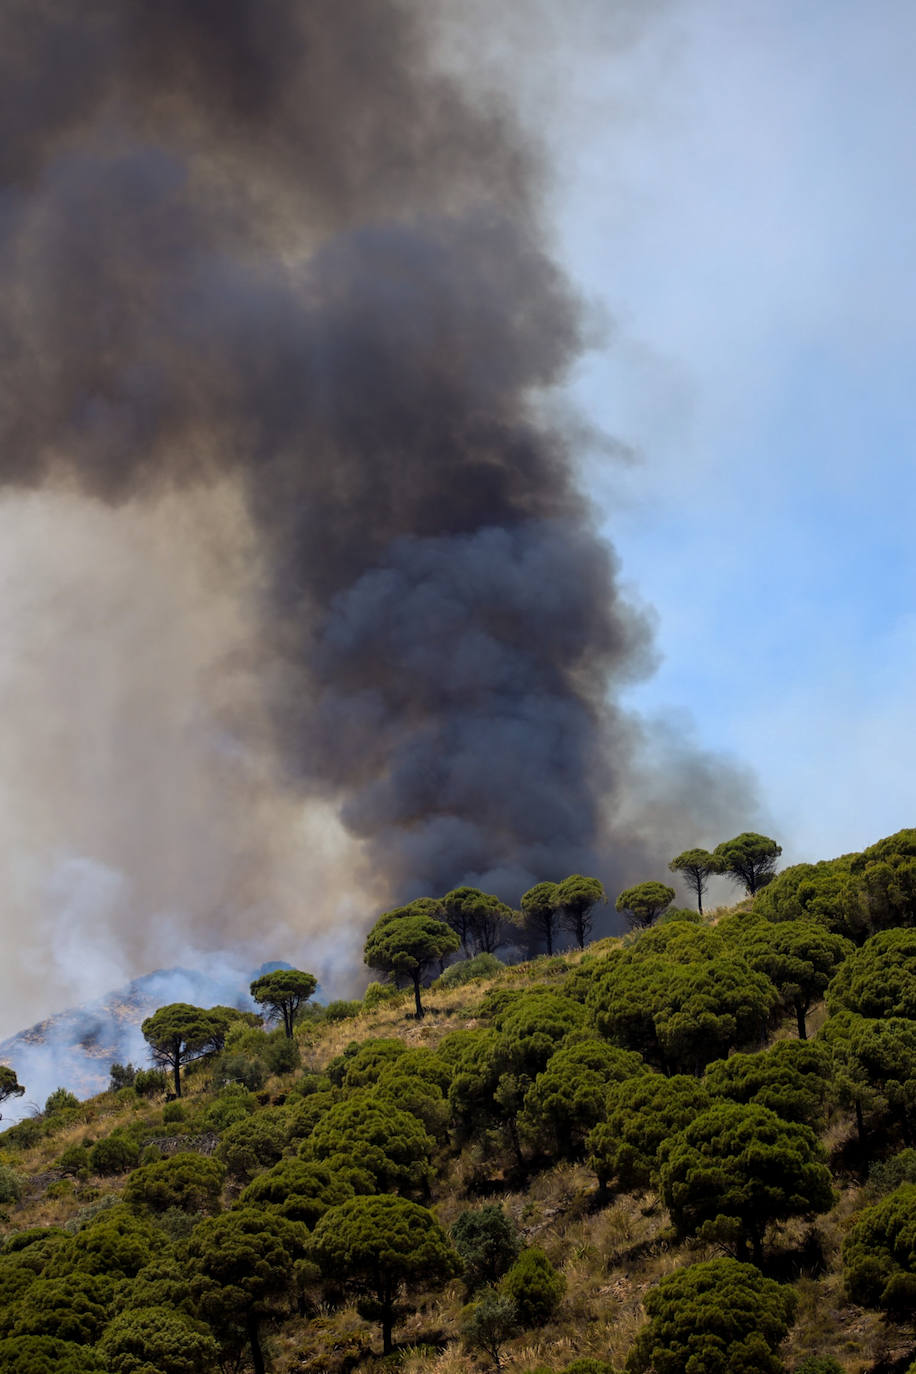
(736, 192)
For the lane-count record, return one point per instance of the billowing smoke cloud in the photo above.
(264, 263)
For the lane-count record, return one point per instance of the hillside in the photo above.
(600, 1159)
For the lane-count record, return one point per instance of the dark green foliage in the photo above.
(578, 896)
(533, 1024)
(61, 1101)
(113, 1242)
(233, 1103)
(74, 1308)
(588, 1366)
(173, 1112)
(341, 1010)
(534, 1286)
(9, 1083)
(792, 1079)
(886, 875)
(480, 920)
(190, 1182)
(238, 1068)
(179, 1034)
(408, 943)
(880, 978)
(568, 1098)
(469, 971)
(826, 892)
(381, 1247)
(644, 903)
(46, 1355)
(685, 1004)
(642, 1113)
(122, 1076)
(819, 1364)
(244, 1269)
(389, 1144)
(874, 1068)
(113, 1154)
(362, 1062)
(735, 1169)
(720, 1317)
(798, 957)
(879, 1254)
(282, 1054)
(160, 1339)
(696, 866)
(24, 1134)
(424, 1100)
(749, 859)
(300, 1190)
(540, 909)
(488, 1323)
(284, 993)
(888, 1174)
(150, 1082)
(10, 1186)
(163, 1283)
(254, 1143)
(487, 1243)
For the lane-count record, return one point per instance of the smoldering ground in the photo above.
(279, 305)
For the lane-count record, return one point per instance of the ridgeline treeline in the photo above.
(686, 1150)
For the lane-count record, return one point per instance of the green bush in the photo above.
(233, 1104)
(60, 1100)
(534, 1286)
(113, 1154)
(281, 1054)
(174, 1111)
(487, 1243)
(150, 1082)
(121, 1076)
(377, 993)
(10, 1187)
(74, 1160)
(342, 1011)
(469, 971)
(238, 1068)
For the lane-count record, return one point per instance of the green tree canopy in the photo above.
(792, 1078)
(826, 892)
(388, 1143)
(886, 874)
(749, 859)
(874, 1069)
(540, 909)
(879, 1254)
(880, 978)
(382, 1247)
(534, 1287)
(47, 1355)
(720, 1317)
(73, 1308)
(160, 1339)
(9, 1083)
(696, 867)
(478, 918)
(299, 1189)
(578, 896)
(642, 1113)
(409, 944)
(487, 1243)
(645, 902)
(179, 1033)
(284, 993)
(569, 1097)
(735, 1169)
(188, 1181)
(799, 958)
(244, 1269)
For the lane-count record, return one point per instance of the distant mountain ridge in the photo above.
(75, 1048)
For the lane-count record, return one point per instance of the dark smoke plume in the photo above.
(267, 243)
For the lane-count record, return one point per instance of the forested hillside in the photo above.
(688, 1150)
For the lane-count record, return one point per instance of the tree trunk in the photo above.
(801, 1018)
(416, 993)
(257, 1354)
(176, 1075)
(288, 1022)
(387, 1306)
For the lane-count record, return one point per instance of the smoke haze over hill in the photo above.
(306, 610)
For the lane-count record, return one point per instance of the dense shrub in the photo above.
(534, 1286)
(487, 1243)
(113, 1154)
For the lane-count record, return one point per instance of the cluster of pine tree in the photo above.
(294, 1198)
